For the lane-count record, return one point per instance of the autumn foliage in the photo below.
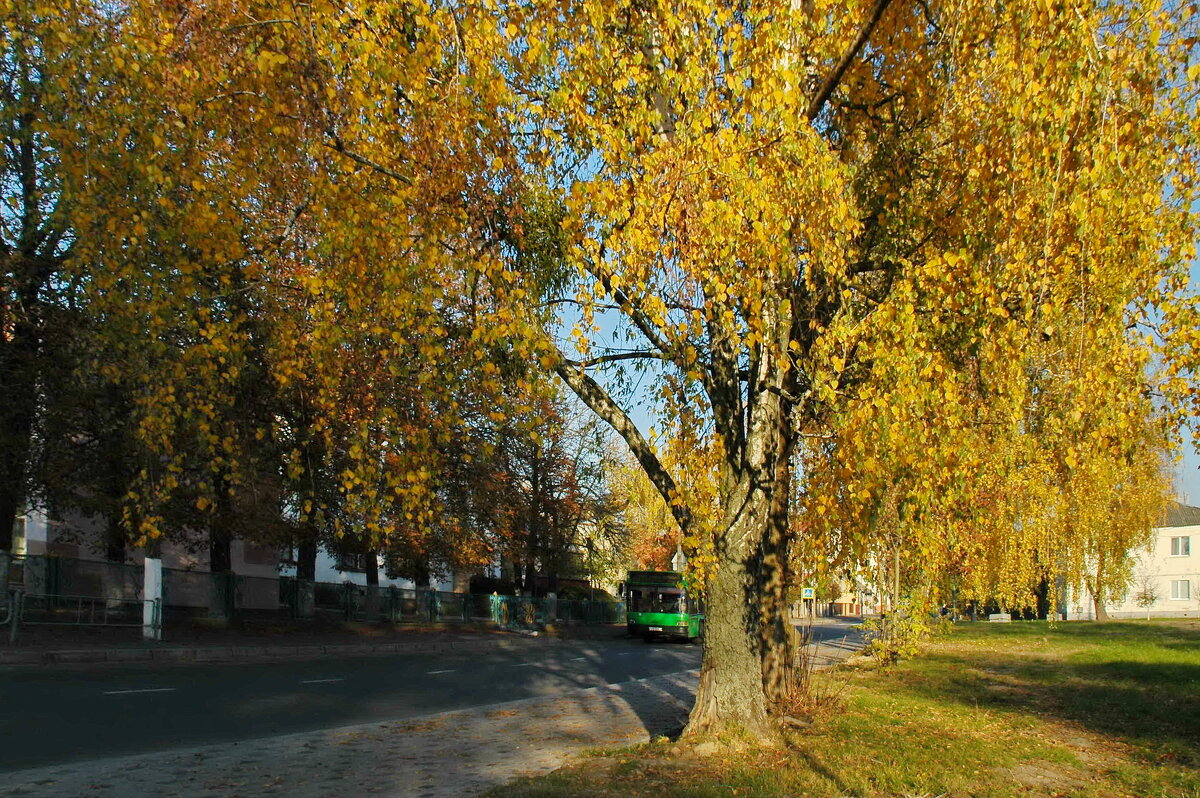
(896, 276)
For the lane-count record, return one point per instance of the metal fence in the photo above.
(61, 590)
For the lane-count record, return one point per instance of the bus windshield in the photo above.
(655, 599)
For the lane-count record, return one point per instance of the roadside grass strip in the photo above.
(996, 711)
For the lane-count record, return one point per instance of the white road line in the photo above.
(433, 673)
(624, 653)
(321, 681)
(523, 664)
(578, 659)
(145, 690)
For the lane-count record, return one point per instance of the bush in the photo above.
(899, 635)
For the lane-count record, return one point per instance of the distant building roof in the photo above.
(1181, 515)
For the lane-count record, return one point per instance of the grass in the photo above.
(995, 710)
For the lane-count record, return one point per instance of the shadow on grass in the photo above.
(1130, 682)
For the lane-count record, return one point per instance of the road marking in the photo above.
(578, 659)
(523, 664)
(321, 681)
(433, 673)
(624, 653)
(145, 690)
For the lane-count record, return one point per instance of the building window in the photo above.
(1181, 546)
(1181, 589)
(352, 562)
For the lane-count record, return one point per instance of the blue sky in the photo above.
(1187, 476)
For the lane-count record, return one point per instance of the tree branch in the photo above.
(833, 78)
(592, 394)
(336, 144)
(596, 361)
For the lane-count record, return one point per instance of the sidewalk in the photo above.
(442, 755)
(218, 645)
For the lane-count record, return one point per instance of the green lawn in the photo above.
(1076, 709)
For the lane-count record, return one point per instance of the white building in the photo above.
(1167, 572)
(81, 538)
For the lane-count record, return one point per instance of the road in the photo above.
(53, 716)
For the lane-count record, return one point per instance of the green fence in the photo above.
(86, 592)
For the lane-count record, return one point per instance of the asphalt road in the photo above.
(52, 716)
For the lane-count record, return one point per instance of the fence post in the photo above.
(230, 595)
(152, 594)
(14, 612)
(5, 559)
(306, 599)
(53, 577)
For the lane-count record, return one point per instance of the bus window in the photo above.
(655, 599)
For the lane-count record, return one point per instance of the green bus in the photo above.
(657, 605)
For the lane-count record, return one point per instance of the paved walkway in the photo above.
(443, 755)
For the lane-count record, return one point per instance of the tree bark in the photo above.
(220, 532)
(371, 568)
(114, 538)
(1101, 609)
(17, 408)
(730, 698)
(306, 560)
(1096, 588)
(220, 549)
(780, 642)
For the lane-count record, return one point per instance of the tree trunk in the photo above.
(1042, 607)
(114, 538)
(1101, 609)
(17, 407)
(10, 503)
(371, 568)
(220, 532)
(1096, 588)
(730, 698)
(220, 549)
(529, 585)
(221, 535)
(780, 644)
(306, 560)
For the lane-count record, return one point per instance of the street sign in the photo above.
(808, 593)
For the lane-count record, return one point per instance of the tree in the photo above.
(46, 49)
(1147, 593)
(297, 298)
(778, 201)
(652, 530)
(779, 209)
(559, 512)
